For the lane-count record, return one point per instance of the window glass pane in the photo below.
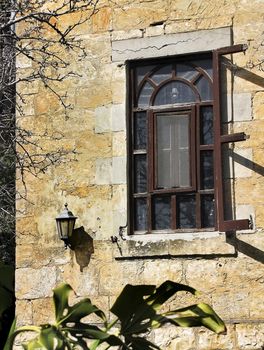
(140, 214)
(208, 211)
(162, 74)
(162, 212)
(206, 120)
(172, 153)
(186, 72)
(207, 170)
(140, 130)
(145, 95)
(174, 92)
(140, 175)
(141, 72)
(186, 211)
(206, 65)
(204, 88)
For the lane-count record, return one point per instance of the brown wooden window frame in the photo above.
(196, 149)
(152, 169)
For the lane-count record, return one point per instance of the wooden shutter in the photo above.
(223, 225)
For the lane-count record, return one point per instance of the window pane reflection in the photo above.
(186, 207)
(204, 88)
(140, 166)
(207, 170)
(140, 131)
(162, 74)
(208, 211)
(145, 94)
(206, 125)
(141, 72)
(206, 65)
(186, 72)
(162, 212)
(140, 214)
(174, 92)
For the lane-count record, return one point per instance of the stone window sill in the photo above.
(173, 245)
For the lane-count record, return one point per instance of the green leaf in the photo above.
(34, 344)
(95, 345)
(136, 307)
(87, 331)
(197, 315)
(112, 340)
(165, 291)
(131, 307)
(139, 343)
(60, 299)
(50, 338)
(70, 314)
(129, 299)
(11, 337)
(82, 309)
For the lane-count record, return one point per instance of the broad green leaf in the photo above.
(129, 299)
(60, 299)
(50, 338)
(131, 307)
(87, 331)
(136, 309)
(137, 305)
(112, 340)
(139, 343)
(34, 344)
(197, 315)
(95, 345)
(67, 314)
(165, 291)
(82, 309)
(11, 337)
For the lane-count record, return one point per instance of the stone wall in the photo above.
(227, 269)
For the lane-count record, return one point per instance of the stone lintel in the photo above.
(171, 44)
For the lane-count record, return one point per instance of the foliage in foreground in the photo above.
(136, 310)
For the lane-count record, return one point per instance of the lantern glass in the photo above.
(65, 224)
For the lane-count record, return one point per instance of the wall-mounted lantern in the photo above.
(65, 225)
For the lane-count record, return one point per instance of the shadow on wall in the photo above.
(231, 238)
(82, 244)
(248, 163)
(249, 76)
(243, 73)
(244, 247)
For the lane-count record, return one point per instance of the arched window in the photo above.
(174, 146)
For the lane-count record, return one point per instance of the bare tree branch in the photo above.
(32, 34)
